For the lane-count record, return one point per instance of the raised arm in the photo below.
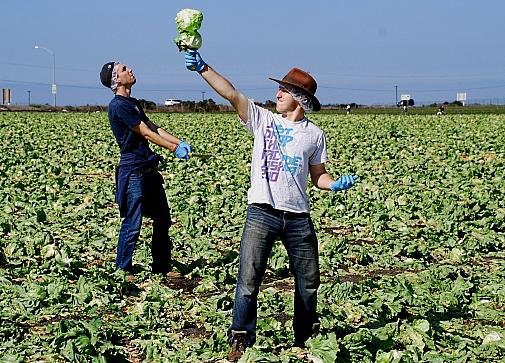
(220, 84)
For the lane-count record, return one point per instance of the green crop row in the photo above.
(411, 258)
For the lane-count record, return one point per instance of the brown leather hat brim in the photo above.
(315, 101)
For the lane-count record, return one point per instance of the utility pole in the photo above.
(29, 97)
(53, 85)
(396, 95)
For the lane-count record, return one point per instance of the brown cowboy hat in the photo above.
(304, 82)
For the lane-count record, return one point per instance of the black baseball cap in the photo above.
(106, 74)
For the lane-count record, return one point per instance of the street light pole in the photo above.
(396, 95)
(53, 86)
(29, 97)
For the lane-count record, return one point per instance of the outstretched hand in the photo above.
(183, 150)
(343, 183)
(193, 61)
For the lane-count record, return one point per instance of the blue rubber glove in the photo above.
(193, 61)
(183, 150)
(343, 183)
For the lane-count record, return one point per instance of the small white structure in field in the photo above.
(461, 96)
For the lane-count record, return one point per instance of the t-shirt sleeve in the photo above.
(256, 117)
(129, 115)
(142, 114)
(320, 155)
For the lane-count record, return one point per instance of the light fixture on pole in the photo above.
(53, 86)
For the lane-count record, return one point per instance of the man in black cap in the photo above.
(287, 148)
(139, 186)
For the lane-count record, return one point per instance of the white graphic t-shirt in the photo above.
(282, 153)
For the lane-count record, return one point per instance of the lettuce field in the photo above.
(412, 258)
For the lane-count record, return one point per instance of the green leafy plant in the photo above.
(411, 258)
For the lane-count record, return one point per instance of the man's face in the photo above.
(285, 102)
(125, 75)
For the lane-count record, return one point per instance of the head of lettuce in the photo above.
(188, 41)
(188, 22)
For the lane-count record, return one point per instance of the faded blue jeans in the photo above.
(145, 196)
(263, 226)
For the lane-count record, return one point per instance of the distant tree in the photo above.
(270, 104)
(208, 105)
(267, 104)
(147, 105)
(188, 104)
(211, 105)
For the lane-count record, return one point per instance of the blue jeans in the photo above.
(296, 231)
(145, 196)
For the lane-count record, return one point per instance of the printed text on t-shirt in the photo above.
(274, 159)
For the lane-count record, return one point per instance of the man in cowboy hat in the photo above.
(139, 186)
(287, 148)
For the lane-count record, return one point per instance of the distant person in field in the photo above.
(288, 148)
(348, 109)
(139, 186)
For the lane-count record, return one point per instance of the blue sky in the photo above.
(357, 50)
